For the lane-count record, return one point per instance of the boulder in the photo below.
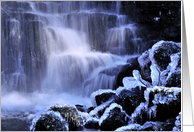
(81, 108)
(129, 127)
(161, 104)
(99, 110)
(50, 121)
(113, 118)
(157, 126)
(69, 114)
(130, 99)
(161, 58)
(92, 123)
(101, 96)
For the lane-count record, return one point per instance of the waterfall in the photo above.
(63, 47)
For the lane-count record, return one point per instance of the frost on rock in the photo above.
(119, 89)
(140, 81)
(49, 121)
(130, 127)
(69, 114)
(177, 126)
(100, 92)
(98, 110)
(161, 104)
(140, 113)
(92, 122)
(113, 118)
(130, 82)
(155, 75)
(107, 111)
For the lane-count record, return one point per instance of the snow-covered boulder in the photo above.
(158, 59)
(113, 118)
(49, 121)
(129, 127)
(99, 110)
(69, 114)
(102, 95)
(129, 99)
(92, 123)
(161, 104)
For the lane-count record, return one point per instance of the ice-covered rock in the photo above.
(158, 63)
(99, 110)
(92, 123)
(49, 121)
(130, 82)
(177, 126)
(129, 99)
(145, 62)
(69, 114)
(140, 81)
(130, 127)
(161, 51)
(161, 104)
(113, 118)
(102, 95)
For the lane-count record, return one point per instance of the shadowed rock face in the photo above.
(157, 19)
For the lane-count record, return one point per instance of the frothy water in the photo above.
(60, 50)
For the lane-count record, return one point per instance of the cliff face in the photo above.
(157, 19)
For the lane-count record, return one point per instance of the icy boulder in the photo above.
(129, 99)
(69, 114)
(113, 118)
(49, 121)
(145, 63)
(162, 103)
(177, 126)
(163, 55)
(99, 110)
(92, 123)
(157, 126)
(161, 51)
(130, 127)
(102, 95)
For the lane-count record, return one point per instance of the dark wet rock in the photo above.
(50, 121)
(130, 99)
(158, 126)
(69, 114)
(113, 118)
(81, 108)
(174, 80)
(92, 123)
(145, 63)
(90, 109)
(121, 71)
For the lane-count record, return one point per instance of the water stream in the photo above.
(54, 52)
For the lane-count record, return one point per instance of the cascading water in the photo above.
(61, 47)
